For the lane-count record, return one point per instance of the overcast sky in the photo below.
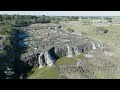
(64, 13)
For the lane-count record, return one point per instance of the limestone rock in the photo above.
(44, 47)
(88, 55)
(108, 53)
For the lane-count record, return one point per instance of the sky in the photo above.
(64, 13)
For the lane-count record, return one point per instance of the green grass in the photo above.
(105, 74)
(84, 27)
(44, 73)
(107, 37)
(80, 56)
(31, 72)
(100, 74)
(70, 60)
(51, 73)
(66, 61)
(86, 20)
(113, 28)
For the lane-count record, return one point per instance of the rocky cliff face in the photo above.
(44, 47)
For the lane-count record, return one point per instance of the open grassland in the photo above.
(44, 73)
(113, 36)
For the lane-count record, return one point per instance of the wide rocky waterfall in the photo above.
(49, 45)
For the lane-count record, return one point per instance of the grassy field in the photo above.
(43, 73)
(66, 61)
(113, 28)
(70, 60)
(89, 29)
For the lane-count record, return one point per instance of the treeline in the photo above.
(9, 21)
(23, 20)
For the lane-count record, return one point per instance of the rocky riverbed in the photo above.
(45, 46)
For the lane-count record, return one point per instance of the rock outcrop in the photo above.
(45, 46)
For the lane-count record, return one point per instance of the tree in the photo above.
(6, 30)
(108, 19)
(55, 21)
(5, 17)
(1, 18)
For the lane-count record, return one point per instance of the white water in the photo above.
(40, 61)
(76, 50)
(88, 55)
(93, 45)
(69, 52)
(48, 59)
(100, 45)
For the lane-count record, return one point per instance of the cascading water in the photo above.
(100, 45)
(93, 46)
(45, 58)
(69, 51)
(40, 61)
(48, 59)
(76, 50)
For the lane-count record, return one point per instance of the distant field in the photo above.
(77, 26)
(114, 28)
(89, 29)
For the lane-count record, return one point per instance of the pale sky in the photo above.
(64, 13)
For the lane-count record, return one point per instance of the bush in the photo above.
(55, 21)
(6, 30)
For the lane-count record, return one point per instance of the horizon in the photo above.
(62, 13)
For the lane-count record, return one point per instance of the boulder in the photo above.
(88, 56)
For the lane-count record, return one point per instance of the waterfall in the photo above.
(69, 51)
(45, 58)
(40, 61)
(100, 45)
(48, 59)
(76, 50)
(93, 45)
